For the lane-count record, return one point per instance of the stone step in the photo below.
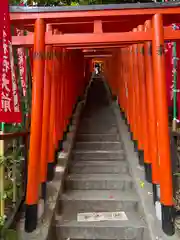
(134, 228)
(107, 117)
(94, 120)
(99, 180)
(99, 113)
(103, 116)
(98, 129)
(96, 145)
(97, 137)
(96, 124)
(92, 109)
(103, 154)
(75, 201)
(99, 167)
(91, 181)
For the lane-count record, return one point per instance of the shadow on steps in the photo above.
(98, 94)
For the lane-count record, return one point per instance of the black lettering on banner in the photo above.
(35, 54)
(142, 50)
(58, 54)
(39, 55)
(137, 51)
(49, 55)
(160, 50)
(150, 49)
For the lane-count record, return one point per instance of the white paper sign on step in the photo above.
(62, 155)
(59, 169)
(101, 216)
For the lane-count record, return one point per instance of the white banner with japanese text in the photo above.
(22, 63)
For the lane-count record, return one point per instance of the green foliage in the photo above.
(44, 2)
(2, 220)
(10, 234)
(62, 2)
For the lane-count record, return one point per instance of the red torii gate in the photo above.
(135, 35)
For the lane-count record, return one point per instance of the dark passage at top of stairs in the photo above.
(99, 179)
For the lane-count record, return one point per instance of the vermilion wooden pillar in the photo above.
(74, 82)
(141, 104)
(77, 80)
(126, 82)
(134, 98)
(80, 75)
(152, 133)
(165, 171)
(66, 83)
(116, 73)
(71, 88)
(52, 122)
(87, 72)
(46, 117)
(62, 94)
(30, 51)
(80, 78)
(32, 194)
(57, 67)
(144, 112)
(110, 79)
(138, 104)
(68, 89)
(60, 99)
(78, 69)
(123, 83)
(130, 88)
(119, 78)
(124, 90)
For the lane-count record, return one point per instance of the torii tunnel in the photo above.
(129, 40)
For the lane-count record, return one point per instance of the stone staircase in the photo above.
(99, 181)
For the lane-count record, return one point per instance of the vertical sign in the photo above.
(22, 63)
(168, 63)
(9, 99)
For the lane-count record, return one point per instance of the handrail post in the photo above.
(165, 171)
(32, 195)
(134, 97)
